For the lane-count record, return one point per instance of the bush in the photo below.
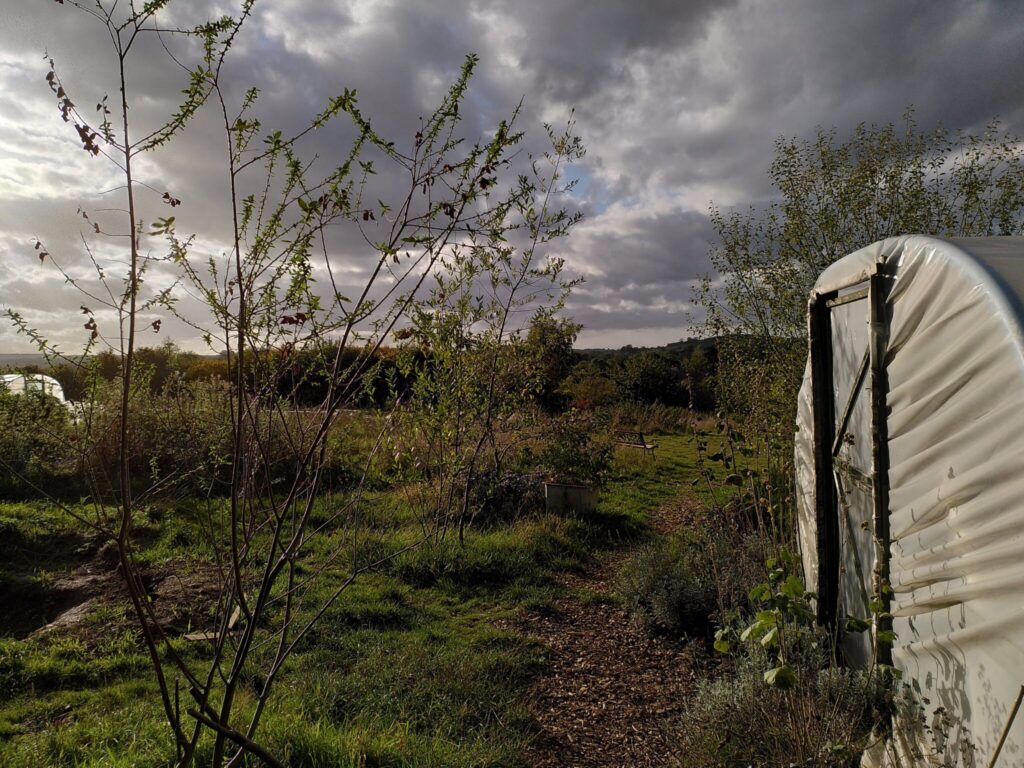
(650, 377)
(784, 701)
(669, 586)
(588, 386)
(180, 436)
(34, 430)
(578, 449)
(681, 584)
(824, 720)
(502, 497)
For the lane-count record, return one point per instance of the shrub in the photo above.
(784, 701)
(824, 720)
(650, 377)
(501, 497)
(177, 437)
(669, 586)
(578, 449)
(682, 583)
(588, 386)
(34, 452)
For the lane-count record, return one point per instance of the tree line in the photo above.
(678, 374)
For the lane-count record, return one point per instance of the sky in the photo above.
(678, 103)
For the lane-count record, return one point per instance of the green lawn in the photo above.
(408, 668)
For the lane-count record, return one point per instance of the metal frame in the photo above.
(878, 316)
(819, 319)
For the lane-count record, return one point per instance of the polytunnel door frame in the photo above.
(828, 440)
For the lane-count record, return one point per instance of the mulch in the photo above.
(610, 691)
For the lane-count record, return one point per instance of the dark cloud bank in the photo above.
(678, 102)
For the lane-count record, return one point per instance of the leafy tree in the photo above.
(649, 377)
(549, 341)
(834, 197)
(474, 369)
(699, 380)
(589, 386)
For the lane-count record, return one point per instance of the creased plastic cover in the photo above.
(956, 445)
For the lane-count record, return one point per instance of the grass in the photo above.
(640, 483)
(411, 666)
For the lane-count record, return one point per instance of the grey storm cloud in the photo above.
(679, 104)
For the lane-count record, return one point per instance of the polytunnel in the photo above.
(910, 480)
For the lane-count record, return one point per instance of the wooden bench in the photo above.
(634, 440)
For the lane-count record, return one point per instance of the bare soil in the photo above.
(63, 598)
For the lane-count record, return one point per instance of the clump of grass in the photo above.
(62, 662)
(525, 552)
(114, 726)
(655, 417)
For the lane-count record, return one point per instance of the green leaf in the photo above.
(853, 624)
(722, 644)
(782, 677)
(889, 672)
(759, 593)
(759, 628)
(793, 587)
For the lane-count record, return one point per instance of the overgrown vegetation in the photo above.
(408, 667)
(278, 529)
(305, 547)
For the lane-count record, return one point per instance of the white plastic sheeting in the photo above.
(955, 365)
(23, 383)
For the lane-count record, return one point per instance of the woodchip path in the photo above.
(610, 691)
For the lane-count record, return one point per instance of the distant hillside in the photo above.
(21, 361)
(677, 349)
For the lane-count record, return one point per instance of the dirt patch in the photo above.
(30, 604)
(183, 596)
(609, 689)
